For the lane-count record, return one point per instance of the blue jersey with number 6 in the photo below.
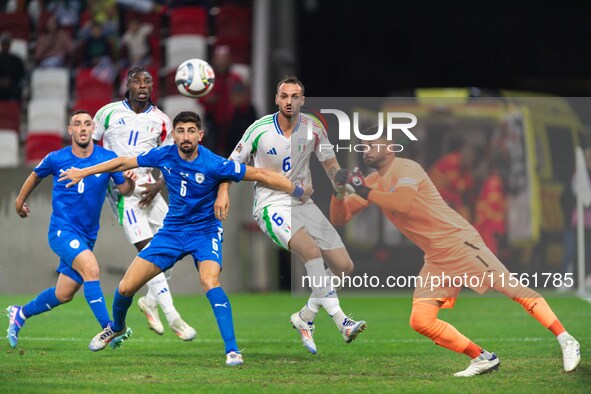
(77, 208)
(192, 185)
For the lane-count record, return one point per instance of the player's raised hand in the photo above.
(339, 183)
(73, 174)
(357, 182)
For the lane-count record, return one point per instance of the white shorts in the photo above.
(138, 223)
(281, 222)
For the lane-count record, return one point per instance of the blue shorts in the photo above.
(67, 245)
(170, 245)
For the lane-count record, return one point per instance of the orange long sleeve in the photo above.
(398, 201)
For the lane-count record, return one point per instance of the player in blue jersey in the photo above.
(128, 128)
(73, 226)
(192, 174)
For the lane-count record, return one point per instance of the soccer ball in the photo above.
(194, 78)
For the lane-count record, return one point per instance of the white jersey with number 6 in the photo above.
(266, 143)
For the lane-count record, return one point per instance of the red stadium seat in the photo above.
(15, 23)
(91, 105)
(42, 21)
(38, 145)
(170, 85)
(234, 21)
(239, 47)
(87, 86)
(10, 115)
(154, 41)
(188, 20)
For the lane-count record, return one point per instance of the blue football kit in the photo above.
(73, 229)
(74, 222)
(190, 227)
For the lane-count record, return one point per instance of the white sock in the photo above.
(158, 286)
(486, 354)
(339, 318)
(562, 338)
(308, 314)
(325, 295)
(151, 301)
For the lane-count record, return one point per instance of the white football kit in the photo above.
(129, 134)
(277, 213)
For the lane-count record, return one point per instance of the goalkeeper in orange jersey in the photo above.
(407, 197)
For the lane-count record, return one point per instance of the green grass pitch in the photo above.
(388, 357)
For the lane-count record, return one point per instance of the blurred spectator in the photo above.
(451, 176)
(54, 46)
(104, 12)
(569, 262)
(66, 11)
(12, 70)
(97, 52)
(144, 6)
(135, 44)
(490, 213)
(242, 115)
(218, 108)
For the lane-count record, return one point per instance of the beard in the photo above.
(83, 145)
(189, 149)
(373, 163)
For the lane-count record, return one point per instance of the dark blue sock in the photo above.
(223, 314)
(44, 302)
(96, 300)
(121, 304)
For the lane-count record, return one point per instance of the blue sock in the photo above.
(96, 300)
(44, 302)
(121, 304)
(223, 314)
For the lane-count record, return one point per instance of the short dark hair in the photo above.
(291, 79)
(187, 117)
(78, 112)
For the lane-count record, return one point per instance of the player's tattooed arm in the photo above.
(331, 166)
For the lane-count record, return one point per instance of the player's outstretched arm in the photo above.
(398, 201)
(22, 209)
(273, 180)
(75, 175)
